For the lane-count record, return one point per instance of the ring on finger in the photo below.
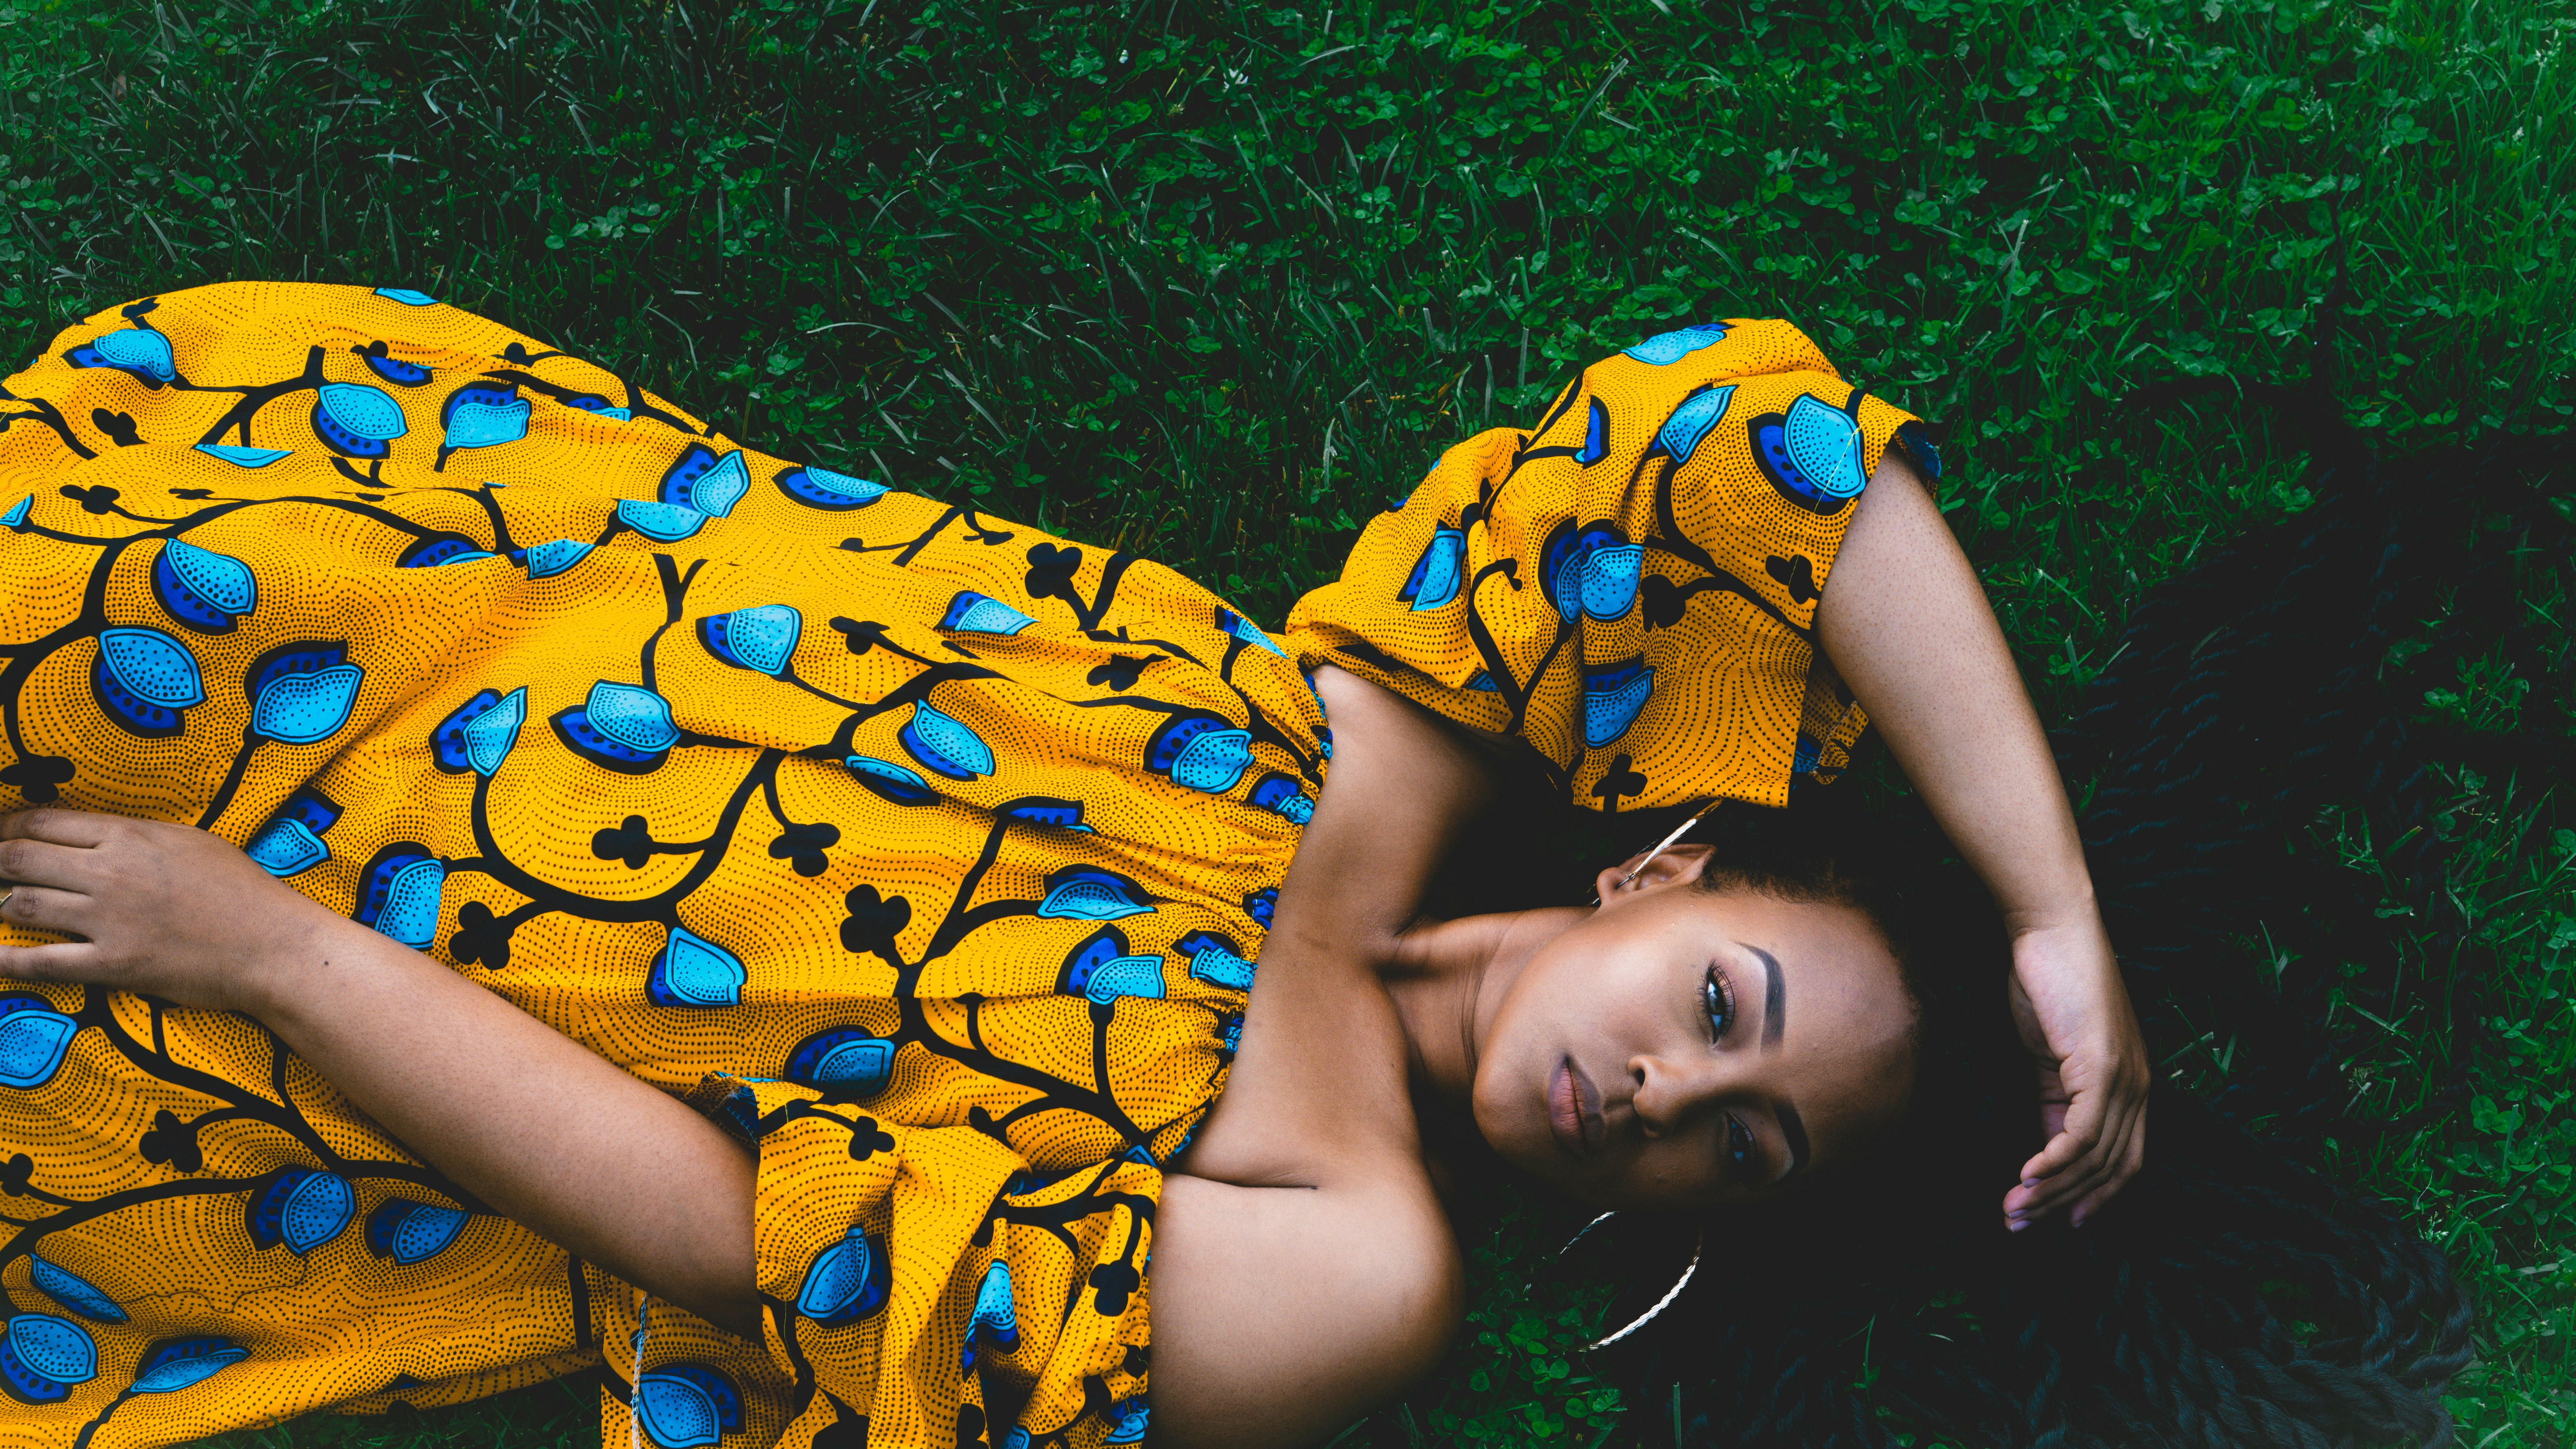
(8, 893)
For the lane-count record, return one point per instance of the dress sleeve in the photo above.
(905, 1271)
(1629, 588)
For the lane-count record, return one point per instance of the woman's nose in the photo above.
(1671, 1097)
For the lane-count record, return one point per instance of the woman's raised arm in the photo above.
(1906, 624)
(531, 1122)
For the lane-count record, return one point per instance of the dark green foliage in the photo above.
(1212, 282)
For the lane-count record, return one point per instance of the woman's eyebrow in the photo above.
(1775, 995)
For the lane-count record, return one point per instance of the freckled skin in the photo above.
(1620, 991)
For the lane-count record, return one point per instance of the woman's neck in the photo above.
(1447, 978)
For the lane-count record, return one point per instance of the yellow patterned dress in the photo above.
(930, 853)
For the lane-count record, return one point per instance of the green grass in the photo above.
(1213, 281)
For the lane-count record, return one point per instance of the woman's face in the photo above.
(1680, 1048)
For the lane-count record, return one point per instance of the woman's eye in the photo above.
(1739, 1149)
(1717, 998)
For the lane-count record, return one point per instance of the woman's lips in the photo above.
(1574, 1110)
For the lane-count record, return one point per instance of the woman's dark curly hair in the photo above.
(2230, 1296)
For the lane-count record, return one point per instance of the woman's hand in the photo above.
(159, 909)
(2074, 1016)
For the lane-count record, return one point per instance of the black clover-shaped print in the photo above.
(480, 936)
(1618, 782)
(873, 923)
(867, 1139)
(1112, 1284)
(17, 1173)
(119, 427)
(193, 495)
(861, 635)
(1796, 573)
(1051, 570)
(1120, 673)
(630, 841)
(39, 777)
(802, 847)
(97, 500)
(172, 1141)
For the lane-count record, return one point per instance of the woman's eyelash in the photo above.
(1717, 997)
(1739, 1149)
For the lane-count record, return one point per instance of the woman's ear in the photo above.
(1671, 866)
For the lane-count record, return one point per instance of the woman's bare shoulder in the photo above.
(1281, 1314)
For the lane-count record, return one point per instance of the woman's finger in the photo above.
(32, 862)
(57, 961)
(52, 823)
(43, 908)
(2130, 1161)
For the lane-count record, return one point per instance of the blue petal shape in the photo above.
(407, 296)
(489, 736)
(241, 457)
(1825, 444)
(301, 1209)
(478, 421)
(632, 716)
(691, 970)
(1280, 793)
(759, 639)
(33, 1041)
(1665, 348)
(173, 1366)
(362, 410)
(846, 1060)
(1691, 421)
(823, 488)
(675, 1413)
(412, 1232)
(152, 666)
(944, 745)
(399, 894)
(660, 522)
(17, 513)
(393, 369)
(298, 709)
(995, 1319)
(1596, 435)
(446, 548)
(700, 479)
(201, 587)
(1609, 587)
(1129, 1415)
(73, 1291)
(893, 781)
(1214, 760)
(1040, 810)
(138, 349)
(1213, 959)
(1440, 571)
(53, 1348)
(545, 560)
(1084, 893)
(1248, 631)
(447, 742)
(974, 613)
(1261, 905)
(286, 847)
(846, 1282)
(1611, 699)
(1102, 970)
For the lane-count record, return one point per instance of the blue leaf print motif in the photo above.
(34, 1038)
(137, 351)
(760, 639)
(1440, 571)
(241, 457)
(408, 1232)
(300, 1208)
(686, 1406)
(545, 560)
(407, 296)
(1101, 970)
(42, 1357)
(974, 613)
(1691, 421)
(943, 745)
(1087, 893)
(691, 970)
(1666, 348)
(823, 488)
(73, 1291)
(203, 590)
(302, 694)
(660, 522)
(994, 1321)
(846, 1281)
(143, 679)
(846, 1060)
(182, 1363)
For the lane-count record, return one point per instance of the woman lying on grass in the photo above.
(795, 942)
